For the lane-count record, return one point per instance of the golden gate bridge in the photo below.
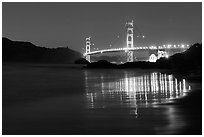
(159, 51)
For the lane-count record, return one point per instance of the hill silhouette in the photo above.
(19, 51)
(188, 60)
(81, 61)
(101, 64)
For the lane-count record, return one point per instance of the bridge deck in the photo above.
(137, 48)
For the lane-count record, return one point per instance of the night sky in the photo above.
(68, 24)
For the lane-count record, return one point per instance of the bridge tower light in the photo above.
(129, 40)
(88, 48)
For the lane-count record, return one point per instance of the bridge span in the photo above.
(164, 47)
(129, 49)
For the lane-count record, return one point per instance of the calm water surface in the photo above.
(76, 101)
(128, 89)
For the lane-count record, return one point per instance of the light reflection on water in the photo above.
(130, 90)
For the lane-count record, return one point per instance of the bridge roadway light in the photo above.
(154, 47)
(168, 46)
(182, 46)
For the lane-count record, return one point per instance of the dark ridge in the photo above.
(138, 64)
(101, 64)
(115, 58)
(81, 61)
(191, 59)
(19, 51)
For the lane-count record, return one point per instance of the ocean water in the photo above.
(52, 100)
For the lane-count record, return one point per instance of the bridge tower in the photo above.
(88, 48)
(129, 40)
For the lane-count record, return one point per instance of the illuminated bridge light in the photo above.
(178, 45)
(168, 46)
(187, 45)
(182, 46)
(189, 87)
(174, 46)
